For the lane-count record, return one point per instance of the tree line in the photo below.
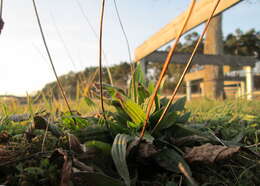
(237, 43)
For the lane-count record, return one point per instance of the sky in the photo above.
(24, 66)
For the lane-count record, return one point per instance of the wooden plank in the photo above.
(202, 59)
(200, 14)
(191, 76)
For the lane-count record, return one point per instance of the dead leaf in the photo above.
(66, 172)
(7, 155)
(61, 158)
(4, 137)
(19, 117)
(75, 144)
(189, 140)
(41, 123)
(146, 150)
(82, 166)
(209, 153)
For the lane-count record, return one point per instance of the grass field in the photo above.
(229, 124)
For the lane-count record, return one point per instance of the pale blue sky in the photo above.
(24, 67)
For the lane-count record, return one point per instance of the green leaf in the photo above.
(184, 118)
(164, 101)
(178, 131)
(118, 153)
(133, 110)
(143, 94)
(168, 121)
(89, 102)
(93, 133)
(133, 125)
(139, 74)
(34, 171)
(169, 159)
(111, 90)
(172, 161)
(178, 105)
(151, 87)
(104, 147)
(155, 116)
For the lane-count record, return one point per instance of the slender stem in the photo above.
(1, 8)
(187, 66)
(63, 42)
(100, 57)
(129, 52)
(49, 56)
(165, 66)
(1, 15)
(96, 36)
(123, 30)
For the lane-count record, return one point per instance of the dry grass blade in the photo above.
(1, 8)
(49, 56)
(129, 51)
(188, 65)
(96, 36)
(123, 30)
(89, 83)
(67, 51)
(1, 14)
(165, 66)
(100, 57)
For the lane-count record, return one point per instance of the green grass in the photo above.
(233, 122)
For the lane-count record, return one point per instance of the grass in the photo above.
(233, 122)
(229, 116)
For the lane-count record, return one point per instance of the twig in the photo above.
(254, 145)
(187, 66)
(165, 66)
(50, 58)
(100, 59)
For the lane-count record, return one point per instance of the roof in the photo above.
(202, 59)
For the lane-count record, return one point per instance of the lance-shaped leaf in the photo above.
(178, 105)
(133, 110)
(172, 161)
(118, 153)
(104, 147)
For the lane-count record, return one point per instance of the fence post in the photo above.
(188, 90)
(249, 82)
